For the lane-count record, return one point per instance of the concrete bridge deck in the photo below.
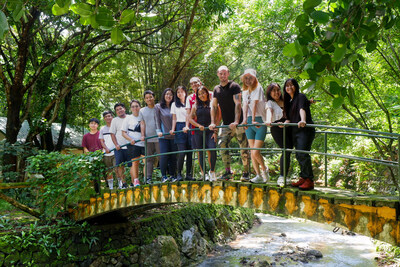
(370, 215)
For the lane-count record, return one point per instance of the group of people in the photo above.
(179, 121)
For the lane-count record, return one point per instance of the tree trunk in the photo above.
(67, 104)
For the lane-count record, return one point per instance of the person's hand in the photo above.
(201, 127)
(212, 126)
(172, 132)
(215, 137)
(159, 134)
(233, 125)
(107, 150)
(268, 123)
(254, 122)
(142, 138)
(301, 124)
(185, 129)
(133, 142)
(244, 122)
(286, 121)
(117, 147)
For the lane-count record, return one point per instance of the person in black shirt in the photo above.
(228, 96)
(297, 110)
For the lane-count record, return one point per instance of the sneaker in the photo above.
(299, 182)
(120, 184)
(281, 181)
(148, 181)
(265, 176)
(124, 186)
(257, 180)
(178, 178)
(136, 182)
(164, 179)
(207, 177)
(245, 177)
(212, 176)
(226, 176)
(131, 185)
(307, 185)
(189, 178)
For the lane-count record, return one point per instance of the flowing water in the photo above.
(266, 239)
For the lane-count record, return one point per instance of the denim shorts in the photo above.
(254, 133)
(122, 156)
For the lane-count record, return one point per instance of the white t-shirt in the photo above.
(180, 112)
(129, 126)
(249, 98)
(106, 136)
(278, 112)
(115, 128)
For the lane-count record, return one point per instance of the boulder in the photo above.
(194, 246)
(162, 252)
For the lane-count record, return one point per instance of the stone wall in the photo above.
(176, 236)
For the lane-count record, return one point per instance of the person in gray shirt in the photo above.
(147, 117)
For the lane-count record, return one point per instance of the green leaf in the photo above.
(18, 12)
(334, 88)
(343, 91)
(308, 65)
(104, 17)
(351, 96)
(58, 11)
(338, 102)
(353, 58)
(310, 85)
(331, 78)
(356, 65)
(301, 21)
(289, 50)
(82, 9)
(371, 46)
(63, 3)
(339, 53)
(93, 21)
(304, 75)
(320, 16)
(322, 63)
(310, 4)
(3, 24)
(297, 60)
(117, 36)
(92, 2)
(127, 16)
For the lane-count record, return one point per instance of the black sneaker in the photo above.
(164, 179)
(189, 178)
(178, 178)
(148, 181)
(124, 186)
(245, 177)
(226, 176)
(131, 185)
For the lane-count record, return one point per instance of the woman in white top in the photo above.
(135, 134)
(182, 139)
(274, 107)
(254, 113)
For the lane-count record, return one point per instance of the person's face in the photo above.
(223, 75)
(181, 94)
(168, 96)
(149, 99)
(108, 118)
(248, 80)
(195, 85)
(120, 111)
(93, 125)
(203, 96)
(135, 107)
(276, 93)
(290, 89)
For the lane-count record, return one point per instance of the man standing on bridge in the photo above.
(228, 96)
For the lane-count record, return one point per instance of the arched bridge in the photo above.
(376, 216)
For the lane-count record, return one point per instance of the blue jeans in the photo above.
(167, 161)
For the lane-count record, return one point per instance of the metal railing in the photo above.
(284, 150)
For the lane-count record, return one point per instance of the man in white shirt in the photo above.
(108, 145)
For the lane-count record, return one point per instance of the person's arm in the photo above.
(270, 115)
(192, 121)
(214, 110)
(238, 109)
(103, 144)
(127, 137)
(158, 120)
(254, 112)
(173, 124)
(143, 129)
(302, 123)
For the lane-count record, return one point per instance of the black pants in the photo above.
(210, 143)
(277, 134)
(181, 158)
(302, 140)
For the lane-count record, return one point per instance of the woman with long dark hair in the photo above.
(202, 111)
(166, 141)
(297, 110)
(182, 139)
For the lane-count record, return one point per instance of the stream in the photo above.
(277, 240)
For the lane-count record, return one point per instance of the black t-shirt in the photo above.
(299, 101)
(224, 95)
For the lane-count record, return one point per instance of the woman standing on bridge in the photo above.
(166, 141)
(202, 111)
(275, 114)
(254, 113)
(297, 110)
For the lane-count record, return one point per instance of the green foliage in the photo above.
(65, 177)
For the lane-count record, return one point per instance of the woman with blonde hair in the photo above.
(254, 113)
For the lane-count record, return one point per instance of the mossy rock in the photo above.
(2, 256)
(26, 256)
(11, 260)
(6, 248)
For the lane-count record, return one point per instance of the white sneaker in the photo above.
(206, 178)
(265, 176)
(120, 183)
(257, 180)
(212, 176)
(281, 181)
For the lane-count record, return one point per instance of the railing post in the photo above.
(145, 162)
(203, 164)
(284, 156)
(326, 157)
(398, 160)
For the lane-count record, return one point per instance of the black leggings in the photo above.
(210, 143)
(302, 140)
(181, 158)
(277, 134)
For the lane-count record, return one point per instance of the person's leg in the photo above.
(225, 138)
(151, 150)
(260, 134)
(119, 159)
(189, 158)
(164, 147)
(256, 166)
(199, 143)
(243, 143)
(172, 158)
(277, 134)
(213, 154)
(304, 139)
(181, 157)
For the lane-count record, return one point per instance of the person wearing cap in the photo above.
(254, 113)
(227, 95)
